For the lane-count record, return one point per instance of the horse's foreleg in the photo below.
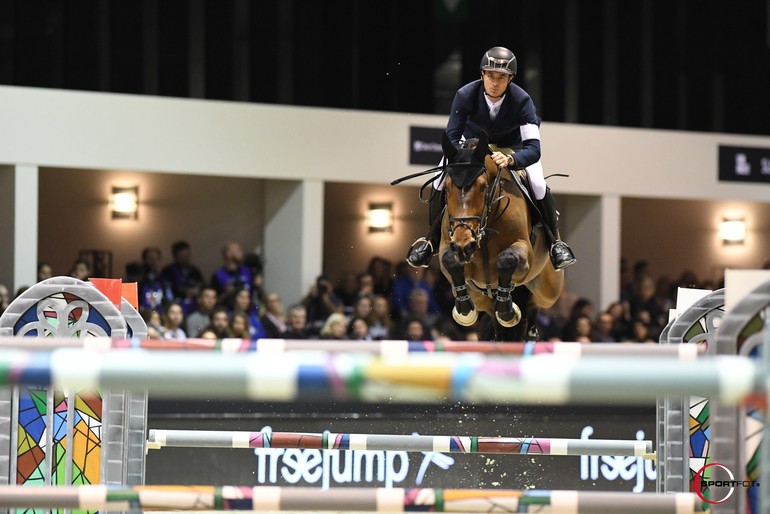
(509, 261)
(464, 311)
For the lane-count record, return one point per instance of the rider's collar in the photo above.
(493, 103)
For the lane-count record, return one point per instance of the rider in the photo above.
(505, 111)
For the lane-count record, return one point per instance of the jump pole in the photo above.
(320, 376)
(274, 499)
(158, 439)
(385, 348)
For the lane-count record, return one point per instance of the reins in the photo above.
(493, 198)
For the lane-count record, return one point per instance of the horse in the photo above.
(493, 250)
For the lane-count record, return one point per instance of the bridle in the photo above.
(493, 198)
(493, 208)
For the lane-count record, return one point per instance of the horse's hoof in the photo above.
(510, 319)
(467, 319)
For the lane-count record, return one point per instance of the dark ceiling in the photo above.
(699, 65)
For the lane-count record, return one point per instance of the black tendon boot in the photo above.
(561, 254)
(422, 250)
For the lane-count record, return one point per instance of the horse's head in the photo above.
(467, 180)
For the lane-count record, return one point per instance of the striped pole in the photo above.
(409, 443)
(345, 499)
(391, 347)
(320, 376)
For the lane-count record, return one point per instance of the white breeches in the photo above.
(537, 180)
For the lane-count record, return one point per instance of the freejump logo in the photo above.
(718, 482)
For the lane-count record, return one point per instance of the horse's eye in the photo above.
(483, 187)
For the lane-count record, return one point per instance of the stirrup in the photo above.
(561, 255)
(423, 240)
(426, 255)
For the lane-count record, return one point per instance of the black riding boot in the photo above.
(561, 254)
(422, 250)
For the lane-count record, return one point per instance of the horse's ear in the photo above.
(482, 148)
(450, 152)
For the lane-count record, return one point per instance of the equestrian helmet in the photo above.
(500, 59)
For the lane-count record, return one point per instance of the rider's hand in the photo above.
(500, 159)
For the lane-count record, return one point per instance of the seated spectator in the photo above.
(640, 332)
(416, 330)
(621, 324)
(644, 299)
(365, 284)
(578, 330)
(184, 279)
(239, 326)
(44, 271)
(418, 309)
(233, 274)
(273, 320)
(241, 302)
(347, 291)
(320, 303)
(200, 318)
(154, 292)
(152, 319)
(296, 323)
(380, 270)
(358, 330)
(80, 270)
(581, 307)
(603, 329)
(381, 326)
(220, 322)
(407, 280)
(335, 325)
(173, 317)
(256, 265)
(363, 308)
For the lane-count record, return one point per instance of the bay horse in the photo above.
(492, 251)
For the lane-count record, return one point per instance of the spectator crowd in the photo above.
(382, 302)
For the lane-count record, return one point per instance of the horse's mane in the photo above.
(464, 176)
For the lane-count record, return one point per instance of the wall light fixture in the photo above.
(732, 231)
(124, 203)
(380, 217)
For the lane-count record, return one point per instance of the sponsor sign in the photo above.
(359, 468)
(744, 164)
(425, 145)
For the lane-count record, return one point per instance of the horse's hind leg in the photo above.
(512, 259)
(464, 312)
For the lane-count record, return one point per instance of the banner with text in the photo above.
(744, 164)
